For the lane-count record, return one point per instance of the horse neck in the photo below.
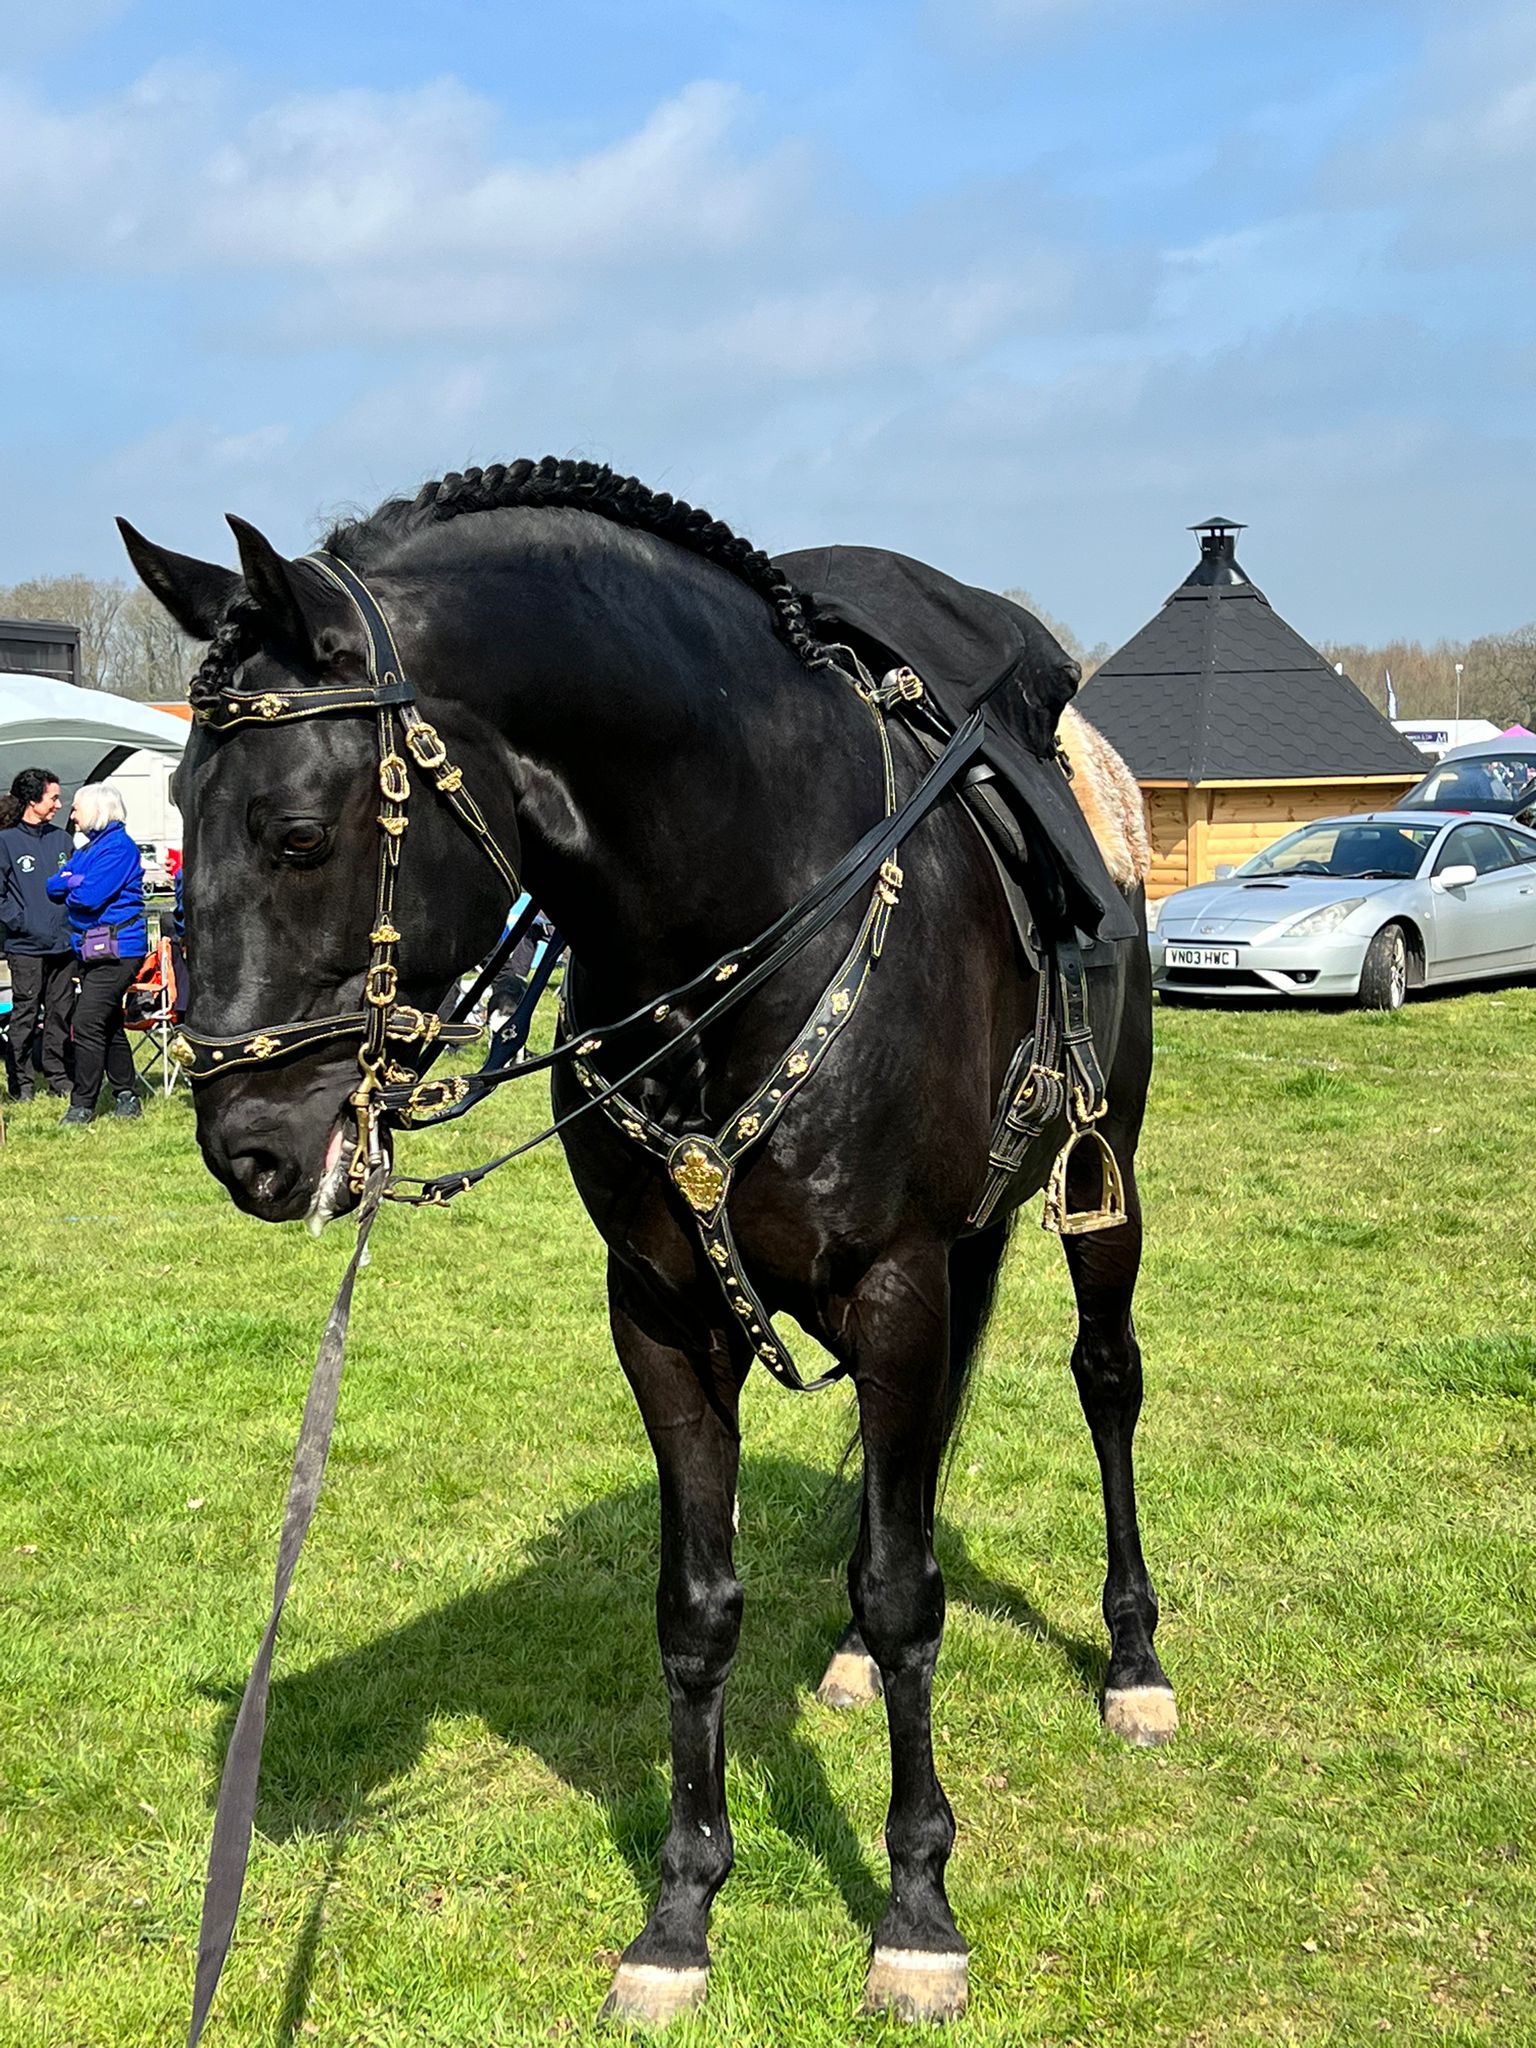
(680, 776)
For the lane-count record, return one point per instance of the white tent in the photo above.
(81, 735)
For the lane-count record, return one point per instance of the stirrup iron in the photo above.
(1111, 1211)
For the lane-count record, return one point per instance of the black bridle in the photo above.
(385, 1028)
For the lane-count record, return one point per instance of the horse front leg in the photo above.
(688, 1398)
(1106, 1364)
(918, 1969)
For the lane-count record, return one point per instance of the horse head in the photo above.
(283, 849)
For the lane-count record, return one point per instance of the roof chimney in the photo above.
(1218, 559)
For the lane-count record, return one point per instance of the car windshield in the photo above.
(1483, 782)
(1348, 849)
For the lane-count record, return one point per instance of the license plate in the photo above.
(1200, 956)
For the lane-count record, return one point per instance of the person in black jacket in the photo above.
(36, 933)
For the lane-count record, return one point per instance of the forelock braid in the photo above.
(594, 487)
(235, 640)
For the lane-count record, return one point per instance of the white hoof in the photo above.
(647, 1995)
(1143, 1714)
(849, 1681)
(917, 1984)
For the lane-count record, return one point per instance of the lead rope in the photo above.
(235, 1814)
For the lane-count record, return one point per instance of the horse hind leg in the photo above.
(896, 1589)
(1106, 1364)
(852, 1677)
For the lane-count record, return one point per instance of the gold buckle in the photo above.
(408, 1024)
(394, 780)
(381, 984)
(430, 1095)
(891, 879)
(425, 744)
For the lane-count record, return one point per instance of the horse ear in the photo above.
(195, 593)
(272, 583)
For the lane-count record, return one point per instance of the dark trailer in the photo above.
(40, 647)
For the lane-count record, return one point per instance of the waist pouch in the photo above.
(101, 942)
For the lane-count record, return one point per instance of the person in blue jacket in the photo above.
(102, 888)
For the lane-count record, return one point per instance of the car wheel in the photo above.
(1384, 976)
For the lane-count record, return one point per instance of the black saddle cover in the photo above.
(972, 647)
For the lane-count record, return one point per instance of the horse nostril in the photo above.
(263, 1176)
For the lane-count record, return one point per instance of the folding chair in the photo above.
(152, 1010)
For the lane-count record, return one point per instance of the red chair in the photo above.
(152, 1009)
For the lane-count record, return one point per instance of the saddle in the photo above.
(976, 650)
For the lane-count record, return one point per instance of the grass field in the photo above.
(465, 1790)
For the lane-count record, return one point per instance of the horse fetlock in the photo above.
(919, 1985)
(696, 1859)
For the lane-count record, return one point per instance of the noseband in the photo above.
(393, 1038)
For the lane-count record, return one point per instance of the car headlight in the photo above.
(1328, 919)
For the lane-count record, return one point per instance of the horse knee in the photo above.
(699, 1624)
(900, 1614)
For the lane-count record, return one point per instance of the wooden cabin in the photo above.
(1234, 727)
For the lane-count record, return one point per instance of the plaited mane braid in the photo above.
(238, 637)
(593, 487)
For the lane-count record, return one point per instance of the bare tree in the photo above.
(127, 643)
(1090, 658)
(80, 601)
(152, 657)
(1498, 675)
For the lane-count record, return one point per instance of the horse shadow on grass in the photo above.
(561, 1659)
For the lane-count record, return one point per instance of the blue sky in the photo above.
(1020, 286)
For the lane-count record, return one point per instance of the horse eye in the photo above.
(302, 841)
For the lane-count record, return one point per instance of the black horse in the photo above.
(626, 686)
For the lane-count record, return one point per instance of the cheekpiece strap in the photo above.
(386, 670)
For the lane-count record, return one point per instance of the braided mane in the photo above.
(574, 486)
(594, 487)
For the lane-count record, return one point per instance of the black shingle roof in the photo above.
(1217, 687)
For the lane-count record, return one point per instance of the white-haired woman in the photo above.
(103, 889)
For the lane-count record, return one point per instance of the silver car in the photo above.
(1362, 907)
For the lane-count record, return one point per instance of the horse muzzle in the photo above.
(281, 1158)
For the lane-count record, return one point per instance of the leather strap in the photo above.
(235, 1813)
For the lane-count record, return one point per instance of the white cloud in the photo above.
(356, 182)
